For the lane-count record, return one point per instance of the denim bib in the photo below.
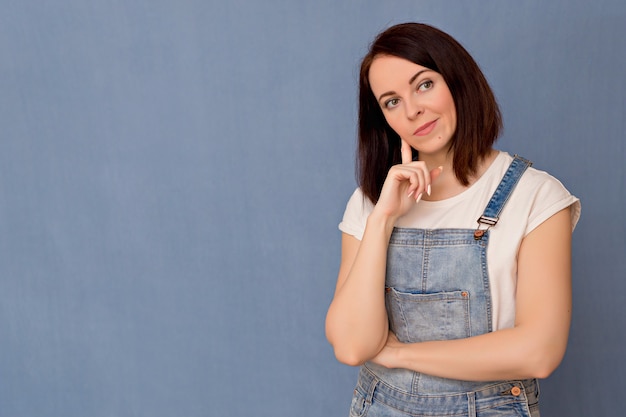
(437, 288)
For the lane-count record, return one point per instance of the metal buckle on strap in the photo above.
(489, 221)
(500, 197)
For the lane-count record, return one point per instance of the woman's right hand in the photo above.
(405, 184)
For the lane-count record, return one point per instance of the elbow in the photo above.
(542, 373)
(351, 352)
(350, 357)
(349, 348)
(544, 368)
(544, 362)
(347, 353)
(354, 345)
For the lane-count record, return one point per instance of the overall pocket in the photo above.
(417, 317)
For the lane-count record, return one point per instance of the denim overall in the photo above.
(437, 288)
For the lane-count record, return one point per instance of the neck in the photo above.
(447, 185)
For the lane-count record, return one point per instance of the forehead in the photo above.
(388, 71)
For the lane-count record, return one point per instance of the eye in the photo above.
(426, 85)
(391, 103)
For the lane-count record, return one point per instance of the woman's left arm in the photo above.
(535, 346)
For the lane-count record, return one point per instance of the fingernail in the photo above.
(411, 193)
(428, 189)
(419, 197)
(441, 168)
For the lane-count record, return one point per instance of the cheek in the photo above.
(452, 109)
(450, 112)
(453, 117)
(392, 122)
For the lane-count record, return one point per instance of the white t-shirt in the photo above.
(536, 197)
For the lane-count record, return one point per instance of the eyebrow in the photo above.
(391, 93)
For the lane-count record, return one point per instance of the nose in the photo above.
(413, 109)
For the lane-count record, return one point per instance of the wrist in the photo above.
(381, 221)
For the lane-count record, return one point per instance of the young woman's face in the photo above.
(416, 102)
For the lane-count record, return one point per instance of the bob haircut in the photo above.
(478, 117)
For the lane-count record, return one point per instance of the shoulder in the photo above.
(544, 195)
(355, 216)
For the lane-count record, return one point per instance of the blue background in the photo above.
(172, 174)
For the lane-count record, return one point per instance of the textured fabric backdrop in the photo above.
(172, 174)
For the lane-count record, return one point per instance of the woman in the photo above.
(454, 290)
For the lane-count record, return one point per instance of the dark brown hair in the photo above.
(478, 116)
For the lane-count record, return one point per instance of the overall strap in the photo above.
(500, 197)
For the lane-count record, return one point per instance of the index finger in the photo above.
(407, 152)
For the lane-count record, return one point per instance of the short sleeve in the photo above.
(550, 198)
(355, 215)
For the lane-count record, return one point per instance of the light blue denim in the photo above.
(437, 288)
(376, 397)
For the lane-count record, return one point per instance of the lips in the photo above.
(426, 128)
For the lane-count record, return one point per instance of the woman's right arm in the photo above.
(356, 323)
